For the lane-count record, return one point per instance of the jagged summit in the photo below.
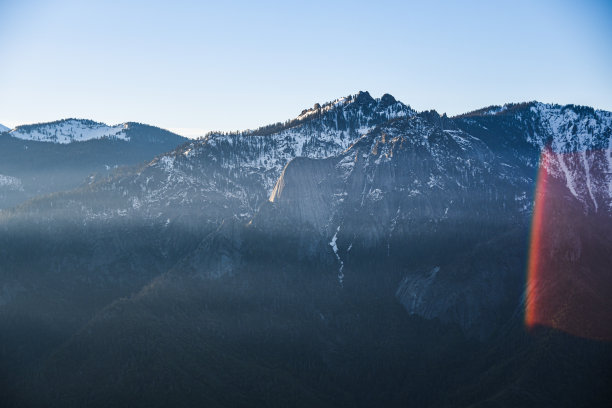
(364, 97)
(387, 100)
(360, 101)
(323, 131)
(360, 107)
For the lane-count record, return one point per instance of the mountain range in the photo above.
(361, 254)
(49, 157)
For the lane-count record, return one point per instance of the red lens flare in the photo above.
(569, 283)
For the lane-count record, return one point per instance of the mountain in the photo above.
(568, 276)
(361, 254)
(69, 131)
(232, 174)
(49, 157)
(567, 131)
(3, 128)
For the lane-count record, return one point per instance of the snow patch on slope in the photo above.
(580, 140)
(335, 249)
(69, 131)
(10, 183)
(573, 129)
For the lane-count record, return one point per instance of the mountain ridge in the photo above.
(353, 251)
(56, 156)
(70, 130)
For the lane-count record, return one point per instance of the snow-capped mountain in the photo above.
(69, 131)
(364, 177)
(50, 157)
(577, 140)
(358, 213)
(322, 131)
(242, 168)
(421, 177)
(368, 174)
(422, 170)
(3, 128)
(430, 176)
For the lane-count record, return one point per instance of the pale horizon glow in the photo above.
(194, 67)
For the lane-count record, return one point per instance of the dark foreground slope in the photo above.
(279, 333)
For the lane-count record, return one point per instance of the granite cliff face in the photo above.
(408, 183)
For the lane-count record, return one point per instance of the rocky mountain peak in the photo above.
(363, 98)
(387, 100)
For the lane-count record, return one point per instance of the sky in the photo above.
(198, 66)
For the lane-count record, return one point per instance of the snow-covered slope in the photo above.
(68, 131)
(57, 156)
(10, 183)
(320, 132)
(580, 151)
(576, 143)
(3, 128)
(242, 168)
(574, 128)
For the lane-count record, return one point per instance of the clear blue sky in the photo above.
(194, 66)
